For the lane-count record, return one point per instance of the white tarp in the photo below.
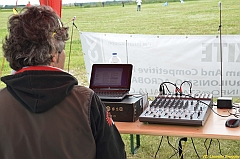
(174, 58)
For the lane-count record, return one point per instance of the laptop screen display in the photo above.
(111, 76)
(108, 77)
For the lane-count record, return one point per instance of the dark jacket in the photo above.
(46, 115)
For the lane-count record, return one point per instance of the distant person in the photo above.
(29, 4)
(165, 4)
(102, 4)
(122, 3)
(139, 2)
(44, 112)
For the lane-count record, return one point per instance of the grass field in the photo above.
(200, 17)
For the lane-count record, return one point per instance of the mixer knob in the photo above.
(191, 116)
(199, 113)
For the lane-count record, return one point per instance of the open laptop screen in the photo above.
(111, 76)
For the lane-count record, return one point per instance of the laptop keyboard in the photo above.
(111, 95)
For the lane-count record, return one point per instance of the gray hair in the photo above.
(34, 34)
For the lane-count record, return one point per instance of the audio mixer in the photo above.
(192, 110)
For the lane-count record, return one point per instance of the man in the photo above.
(139, 2)
(44, 114)
(29, 4)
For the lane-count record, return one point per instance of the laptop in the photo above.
(111, 81)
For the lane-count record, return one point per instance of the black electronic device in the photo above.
(224, 102)
(232, 123)
(111, 81)
(191, 110)
(129, 109)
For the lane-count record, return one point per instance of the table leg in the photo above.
(133, 148)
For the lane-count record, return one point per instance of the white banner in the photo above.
(177, 58)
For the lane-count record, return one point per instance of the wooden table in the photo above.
(214, 128)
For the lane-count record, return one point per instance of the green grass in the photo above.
(200, 17)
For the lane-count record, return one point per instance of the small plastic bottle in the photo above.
(115, 58)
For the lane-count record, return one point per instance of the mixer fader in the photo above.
(178, 110)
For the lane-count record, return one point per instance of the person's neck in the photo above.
(38, 68)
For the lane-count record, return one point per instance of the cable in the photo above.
(180, 149)
(207, 148)
(161, 88)
(164, 83)
(195, 148)
(190, 85)
(158, 147)
(233, 114)
(219, 147)
(174, 149)
(177, 89)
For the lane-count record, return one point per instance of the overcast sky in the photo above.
(24, 2)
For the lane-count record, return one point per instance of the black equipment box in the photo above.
(129, 109)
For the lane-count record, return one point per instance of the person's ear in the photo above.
(54, 58)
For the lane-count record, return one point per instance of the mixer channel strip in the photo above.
(191, 110)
